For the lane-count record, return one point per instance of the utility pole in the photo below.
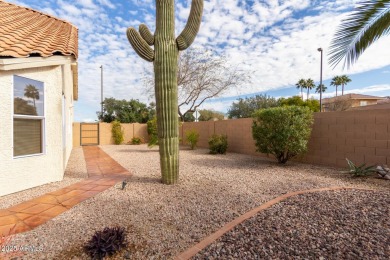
(101, 89)
(320, 50)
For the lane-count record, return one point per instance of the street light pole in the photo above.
(101, 89)
(320, 50)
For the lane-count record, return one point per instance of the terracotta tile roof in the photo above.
(24, 31)
(349, 97)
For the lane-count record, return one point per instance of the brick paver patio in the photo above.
(103, 172)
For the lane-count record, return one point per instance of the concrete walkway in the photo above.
(103, 172)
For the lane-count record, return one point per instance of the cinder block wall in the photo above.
(361, 136)
(205, 130)
(141, 131)
(76, 134)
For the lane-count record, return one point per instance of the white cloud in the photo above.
(107, 3)
(87, 3)
(275, 41)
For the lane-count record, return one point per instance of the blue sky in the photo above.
(275, 40)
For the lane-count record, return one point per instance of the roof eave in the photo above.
(34, 62)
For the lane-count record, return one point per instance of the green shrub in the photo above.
(117, 132)
(359, 171)
(192, 137)
(136, 140)
(152, 132)
(282, 131)
(218, 144)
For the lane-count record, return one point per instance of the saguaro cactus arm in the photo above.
(187, 36)
(140, 46)
(146, 34)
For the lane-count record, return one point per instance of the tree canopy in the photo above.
(32, 92)
(206, 115)
(312, 104)
(22, 107)
(126, 111)
(244, 108)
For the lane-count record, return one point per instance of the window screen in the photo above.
(27, 136)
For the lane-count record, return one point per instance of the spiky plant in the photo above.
(106, 242)
(369, 21)
(359, 171)
(164, 58)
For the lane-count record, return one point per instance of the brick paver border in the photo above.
(192, 251)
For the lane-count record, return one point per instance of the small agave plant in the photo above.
(359, 171)
(106, 242)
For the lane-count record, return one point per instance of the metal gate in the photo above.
(89, 133)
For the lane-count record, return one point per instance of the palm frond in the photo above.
(369, 21)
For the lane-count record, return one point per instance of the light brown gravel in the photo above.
(164, 220)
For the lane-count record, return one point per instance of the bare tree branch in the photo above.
(202, 76)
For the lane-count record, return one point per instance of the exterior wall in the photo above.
(205, 130)
(76, 134)
(67, 90)
(356, 103)
(141, 131)
(361, 136)
(27, 172)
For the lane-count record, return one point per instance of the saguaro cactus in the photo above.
(164, 57)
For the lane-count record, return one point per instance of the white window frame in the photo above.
(363, 103)
(42, 118)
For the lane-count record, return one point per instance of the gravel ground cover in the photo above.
(347, 224)
(163, 220)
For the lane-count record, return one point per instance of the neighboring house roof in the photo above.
(24, 32)
(351, 97)
(371, 107)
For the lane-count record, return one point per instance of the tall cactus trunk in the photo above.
(164, 57)
(165, 74)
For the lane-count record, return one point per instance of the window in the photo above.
(363, 103)
(28, 116)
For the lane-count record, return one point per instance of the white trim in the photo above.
(28, 155)
(34, 62)
(28, 117)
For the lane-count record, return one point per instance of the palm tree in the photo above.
(30, 91)
(321, 88)
(336, 81)
(301, 85)
(309, 85)
(344, 80)
(369, 21)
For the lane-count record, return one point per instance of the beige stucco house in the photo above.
(38, 87)
(349, 101)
